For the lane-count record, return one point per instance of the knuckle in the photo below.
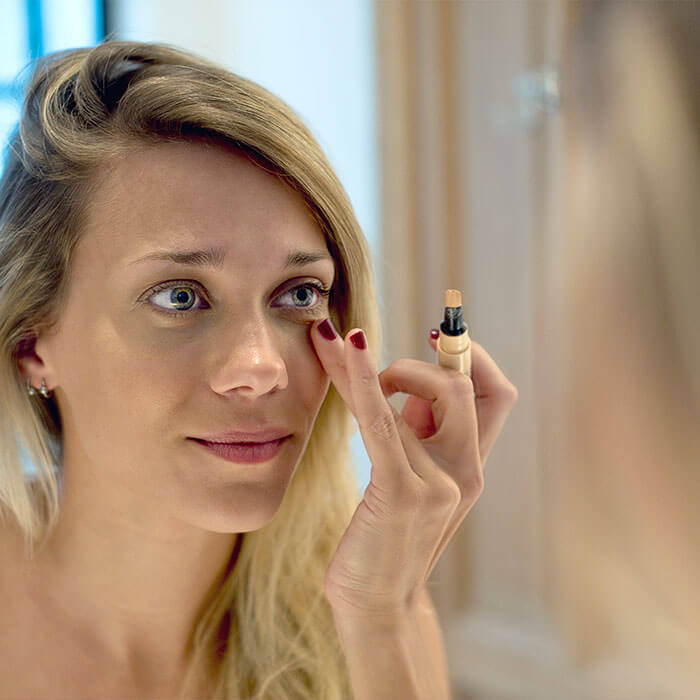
(473, 485)
(439, 494)
(454, 492)
(384, 426)
(403, 364)
(449, 494)
(367, 379)
(509, 392)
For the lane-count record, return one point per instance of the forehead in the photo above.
(194, 195)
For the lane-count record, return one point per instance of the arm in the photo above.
(398, 658)
(430, 647)
(379, 658)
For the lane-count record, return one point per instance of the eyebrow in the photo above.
(214, 257)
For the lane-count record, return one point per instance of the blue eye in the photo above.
(306, 295)
(185, 293)
(175, 293)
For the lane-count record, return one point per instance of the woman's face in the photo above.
(133, 380)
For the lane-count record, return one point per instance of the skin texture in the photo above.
(147, 515)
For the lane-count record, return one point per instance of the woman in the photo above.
(631, 539)
(174, 253)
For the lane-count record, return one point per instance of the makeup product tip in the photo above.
(453, 321)
(453, 298)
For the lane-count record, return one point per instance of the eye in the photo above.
(303, 294)
(180, 293)
(183, 293)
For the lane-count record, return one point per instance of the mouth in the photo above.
(244, 452)
(239, 435)
(240, 442)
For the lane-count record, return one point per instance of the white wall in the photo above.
(317, 55)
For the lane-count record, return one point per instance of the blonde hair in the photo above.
(268, 630)
(631, 102)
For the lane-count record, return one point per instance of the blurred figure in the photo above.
(631, 346)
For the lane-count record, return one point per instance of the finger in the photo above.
(376, 419)
(497, 396)
(490, 374)
(331, 353)
(488, 377)
(452, 397)
(432, 340)
(441, 488)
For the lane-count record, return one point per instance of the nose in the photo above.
(252, 363)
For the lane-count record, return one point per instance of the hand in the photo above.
(427, 468)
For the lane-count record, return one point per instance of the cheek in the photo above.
(121, 379)
(118, 381)
(308, 377)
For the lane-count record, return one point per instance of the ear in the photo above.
(31, 353)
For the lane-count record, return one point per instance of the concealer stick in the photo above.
(454, 348)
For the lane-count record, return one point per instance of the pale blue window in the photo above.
(32, 28)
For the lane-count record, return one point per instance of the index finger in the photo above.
(328, 344)
(375, 417)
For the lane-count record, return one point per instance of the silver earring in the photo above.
(43, 391)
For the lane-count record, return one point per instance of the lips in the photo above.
(241, 436)
(252, 452)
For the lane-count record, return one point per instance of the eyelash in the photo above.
(308, 311)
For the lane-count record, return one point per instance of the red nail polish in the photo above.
(326, 329)
(434, 333)
(358, 340)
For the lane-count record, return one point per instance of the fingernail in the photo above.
(325, 328)
(434, 333)
(358, 340)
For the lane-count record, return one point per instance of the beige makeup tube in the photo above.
(454, 348)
